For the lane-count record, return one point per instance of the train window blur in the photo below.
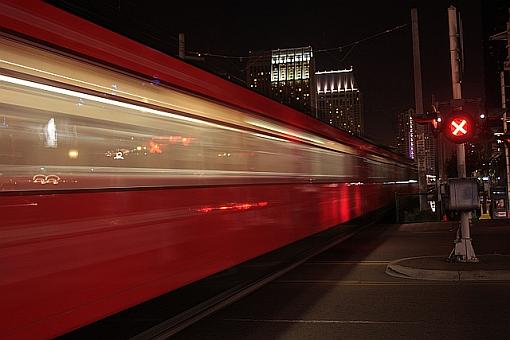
(84, 126)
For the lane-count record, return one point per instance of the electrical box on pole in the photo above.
(463, 194)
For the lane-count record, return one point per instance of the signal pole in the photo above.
(182, 46)
(182, 50)
(418, 99)
(505, 129)
(463, 250)
(505, 115)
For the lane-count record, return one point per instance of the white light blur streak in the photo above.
(270, 137)
(107, 101)
(52, 137)
(50, 133)
(276, 128)
(86, 83)
(402, 182)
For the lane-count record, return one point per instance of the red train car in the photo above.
(126, 173)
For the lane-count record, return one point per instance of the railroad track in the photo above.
(175, 324)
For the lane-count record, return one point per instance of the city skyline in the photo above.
(342, 35)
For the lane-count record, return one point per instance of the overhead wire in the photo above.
(357, 42)
(338, 48)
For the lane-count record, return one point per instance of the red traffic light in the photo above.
(459, 128)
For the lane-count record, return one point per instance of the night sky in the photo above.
(382, 65)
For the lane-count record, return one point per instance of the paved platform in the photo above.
(345, 293)
(491, 267)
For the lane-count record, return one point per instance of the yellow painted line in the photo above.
(388, 283)
(362, 322)
(432, 231)
(366, 283)
(362, 263)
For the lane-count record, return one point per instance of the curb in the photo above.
(397, 270)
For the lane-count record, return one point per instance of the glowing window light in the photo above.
(154, 147)
(73, 154)
(185, 141)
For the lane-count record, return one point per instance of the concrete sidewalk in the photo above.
(492, 266)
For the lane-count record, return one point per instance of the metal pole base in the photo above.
(463, 251)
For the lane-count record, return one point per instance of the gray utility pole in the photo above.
(418, 99)
(505, 128)
(505, 36)
(463, 247)
(182, 46)
(505, 116)
(182, 50)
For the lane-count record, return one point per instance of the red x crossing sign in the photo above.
(459, 128)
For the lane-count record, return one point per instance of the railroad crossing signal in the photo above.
(459, 128)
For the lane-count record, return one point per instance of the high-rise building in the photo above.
(430, 149)
(286, 75)
(258, 72)
(416, 141)
(406, 133)
(425, 147)
(339, 101)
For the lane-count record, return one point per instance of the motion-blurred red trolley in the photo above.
(126, 173)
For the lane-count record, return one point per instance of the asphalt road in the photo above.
(345, 294)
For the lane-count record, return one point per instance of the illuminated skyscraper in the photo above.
(406, 133)
(430, 149)
(416, 141)
(339, 101)
(286, 75)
